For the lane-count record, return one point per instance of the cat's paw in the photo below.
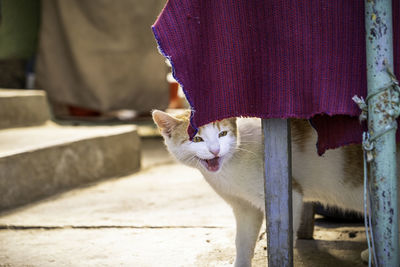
(365, 256)
(242, 264)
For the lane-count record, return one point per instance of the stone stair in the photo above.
(39, 158)
(20, 108)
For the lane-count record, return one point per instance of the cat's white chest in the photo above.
(244, 181)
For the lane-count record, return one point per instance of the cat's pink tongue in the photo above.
(213, 164)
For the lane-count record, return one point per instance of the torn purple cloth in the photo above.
(271, 59)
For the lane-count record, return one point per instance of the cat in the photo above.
(229, 154)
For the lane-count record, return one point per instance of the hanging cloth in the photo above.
(271, 59)
(100, 55)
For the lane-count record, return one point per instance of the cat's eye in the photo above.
(197, 139)
(223, 133)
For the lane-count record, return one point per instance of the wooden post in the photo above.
(278, 192)
(381, 117)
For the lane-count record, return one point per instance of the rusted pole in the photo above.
(278, 192)
(381, 119)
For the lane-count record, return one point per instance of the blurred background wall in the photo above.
(19, 28)
(91, 54)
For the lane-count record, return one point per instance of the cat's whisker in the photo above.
(249, 134)
(249, 142)
(193, 159)
(245, 150)
(196, 161)
(241, 148)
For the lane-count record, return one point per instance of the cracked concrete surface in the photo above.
(165, 215)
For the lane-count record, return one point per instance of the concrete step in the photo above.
(40, 161)
(23, 108)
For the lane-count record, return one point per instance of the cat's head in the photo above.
(210, 148)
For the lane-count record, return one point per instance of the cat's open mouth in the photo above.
(212, 165)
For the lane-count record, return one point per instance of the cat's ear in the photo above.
(165, 122)
(233, 123)
(232, 120)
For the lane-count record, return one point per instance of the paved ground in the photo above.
(164, 215)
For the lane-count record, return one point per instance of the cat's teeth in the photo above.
(213, 164)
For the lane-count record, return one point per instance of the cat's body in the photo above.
(324, 179)
(229, 154)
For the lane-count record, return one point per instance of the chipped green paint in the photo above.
(383, 183)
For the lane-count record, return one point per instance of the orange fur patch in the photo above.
(179, 134)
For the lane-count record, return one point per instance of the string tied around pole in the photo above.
(368, 145)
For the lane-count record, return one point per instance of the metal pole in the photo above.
(383, 183)
(278, 192)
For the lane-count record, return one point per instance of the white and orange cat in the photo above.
(229, 154)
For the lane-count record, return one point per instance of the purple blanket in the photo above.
(272, 59)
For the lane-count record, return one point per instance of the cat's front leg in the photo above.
(248, 224)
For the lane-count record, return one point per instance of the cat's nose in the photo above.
(215, 151)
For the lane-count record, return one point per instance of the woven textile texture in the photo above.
(271, 59)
